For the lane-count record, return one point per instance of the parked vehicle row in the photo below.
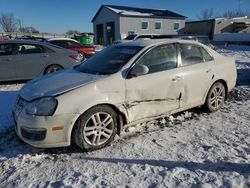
(71, 44)
(25, 60)
(122, 85)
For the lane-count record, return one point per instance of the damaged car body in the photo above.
(120, 86)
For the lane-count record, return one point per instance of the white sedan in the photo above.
(120, 86)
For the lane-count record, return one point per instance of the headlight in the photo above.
(42, 107)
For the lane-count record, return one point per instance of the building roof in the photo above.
(219, 19)
(141, 12)
(200, 21)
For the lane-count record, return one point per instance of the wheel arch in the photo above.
(44, 71)
(121, 118)
(218, 80)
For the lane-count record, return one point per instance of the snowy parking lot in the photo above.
(190, 149)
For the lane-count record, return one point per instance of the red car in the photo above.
(71, 44)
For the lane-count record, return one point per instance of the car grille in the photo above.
(32, 134)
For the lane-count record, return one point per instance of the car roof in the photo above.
(152, 42)
(62, 39)
(33, 42)
(21, 41)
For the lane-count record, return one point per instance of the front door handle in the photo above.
(176, 78)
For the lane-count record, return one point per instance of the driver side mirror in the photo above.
(138, 70)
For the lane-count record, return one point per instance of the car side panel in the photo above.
(88, 51)
(7, 68)
(62, 59)
(225, 69)
(196, 80)
(29, 66)
(152, 95)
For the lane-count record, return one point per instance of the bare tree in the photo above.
(9, 23)
(71, 32)
(206, 14)
(235, 13)
(28, 30)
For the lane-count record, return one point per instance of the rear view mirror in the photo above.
(138, 70)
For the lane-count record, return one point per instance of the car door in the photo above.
(30, 61)
(7, 68)
(157, 92)
(196, 73)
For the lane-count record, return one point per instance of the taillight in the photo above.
(75, 57)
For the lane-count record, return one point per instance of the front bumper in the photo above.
(38, 130)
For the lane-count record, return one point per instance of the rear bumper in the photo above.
(90, 54)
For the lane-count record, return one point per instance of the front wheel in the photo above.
(96, 128)
(216, 97)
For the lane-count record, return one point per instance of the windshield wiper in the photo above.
(91, 72)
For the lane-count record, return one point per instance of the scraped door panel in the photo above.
(197, 74)
(157, 92)
(197, 80)
(151, 95)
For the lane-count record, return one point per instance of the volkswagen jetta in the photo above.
(120, 86)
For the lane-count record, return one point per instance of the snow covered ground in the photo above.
(190, 149)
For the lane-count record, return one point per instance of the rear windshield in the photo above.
(130, 37)
(54, 46)
(109, 60)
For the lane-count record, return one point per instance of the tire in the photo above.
(215, 97)
(96, 128)
(52, 68)
(83, 55)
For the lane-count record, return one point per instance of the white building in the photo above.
(116, 22)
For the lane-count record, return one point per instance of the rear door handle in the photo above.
(45, 55)
(176, 78)
(8, 59)
(208, 71)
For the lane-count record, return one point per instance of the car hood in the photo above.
(56, 83)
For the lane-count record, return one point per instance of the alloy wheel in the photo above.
(217, 96)
(98, 129)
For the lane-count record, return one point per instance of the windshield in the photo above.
(110, 60)
(130, 37)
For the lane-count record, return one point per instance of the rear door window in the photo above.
(30, 49)
(61, 43)
(190, 54)
(206, 55)
(72, 44)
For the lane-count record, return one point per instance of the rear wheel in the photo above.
(52, 68)
(83, 56)
(216, 97)
(96, 128)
